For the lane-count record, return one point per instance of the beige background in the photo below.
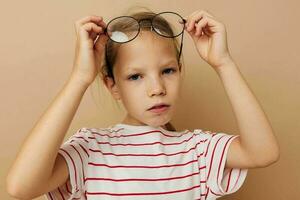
(36, 54)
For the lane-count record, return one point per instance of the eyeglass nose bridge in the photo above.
(152, 27)
(150, 20)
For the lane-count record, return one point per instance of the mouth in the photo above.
(158, 108)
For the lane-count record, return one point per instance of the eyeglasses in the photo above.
(124, 29)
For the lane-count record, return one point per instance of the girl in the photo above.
(142, 157)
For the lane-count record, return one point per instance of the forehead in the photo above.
(147, 49)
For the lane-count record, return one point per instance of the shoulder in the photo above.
(204, 133)
(95, 131)
(207, 137)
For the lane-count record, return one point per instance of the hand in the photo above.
(209, 36)
(88, 52)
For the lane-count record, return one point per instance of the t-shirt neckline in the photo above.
(136, 126)
(144, 127)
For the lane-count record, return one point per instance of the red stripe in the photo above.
(84, 150)
(219, 166)
(141, 166)
(82, 165)
(202, 167)
(228, 182)
(71, 192)
(236, 181)
(119, 180)
(49, 193)
(217, 194)
(62, 196)
(67, 188)
(139, 179)
(212, 157)
(80, 137)
(144, 144)
(76, 141)
(137, 194)
(212, 135)
(222, 156)
(207, 191)
(140, 134)
(113, 154)
(73, 167)
(201, 154)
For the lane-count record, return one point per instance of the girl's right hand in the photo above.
(89, 53)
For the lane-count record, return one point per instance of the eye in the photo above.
(132, 77)
(170, 69)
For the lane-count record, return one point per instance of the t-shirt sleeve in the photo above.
(75, 153)
(220, 181)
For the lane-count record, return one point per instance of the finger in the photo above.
(90, 30)
(188, 18)
(101, 41)
(195, 17)
(206, 25)
(200, 25)
(92, 18)
(93, 35)
(92, 27)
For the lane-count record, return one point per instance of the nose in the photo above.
(156, 87)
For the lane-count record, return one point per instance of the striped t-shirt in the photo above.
(143, 162)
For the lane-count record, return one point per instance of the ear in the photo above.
(112, 87)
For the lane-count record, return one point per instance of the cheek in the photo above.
(131, 94)
(175, 92)
(174, 85)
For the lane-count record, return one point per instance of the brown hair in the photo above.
(112, 47)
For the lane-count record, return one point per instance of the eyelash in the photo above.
(130, 77)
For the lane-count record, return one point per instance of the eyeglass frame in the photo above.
(152, 27)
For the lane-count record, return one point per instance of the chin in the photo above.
(158, 123)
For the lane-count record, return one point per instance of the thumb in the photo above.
(100, 42)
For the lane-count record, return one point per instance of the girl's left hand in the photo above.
(209, 36)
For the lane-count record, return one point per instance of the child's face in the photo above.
(152, 82)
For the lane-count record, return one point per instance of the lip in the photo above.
(159, 108)
(158, 104)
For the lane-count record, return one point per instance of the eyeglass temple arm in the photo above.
(180, 46)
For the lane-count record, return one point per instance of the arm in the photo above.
(257, 145)
(38, 157)
(33, 166)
